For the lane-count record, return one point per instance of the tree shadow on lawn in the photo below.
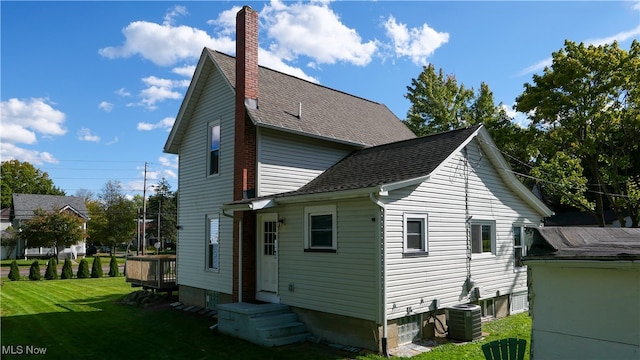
(102, 328)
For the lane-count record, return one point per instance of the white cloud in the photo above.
(186, 70)
(84, 134)
(122, 92)
(165, 123)
(520, 119)
(106, 106)
(636, 5)
(22, 121)
(416, 43)
(165, 44)
(35, 114)
(619, 37)
(314, 30)
(177, 10)
(169, 161)
(115, 140)
(159, 90)
(9, 151)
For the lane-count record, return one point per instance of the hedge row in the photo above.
(67, 271)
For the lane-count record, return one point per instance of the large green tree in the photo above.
(112, 216)
(162, 209)
(23, 178)
(58, 229)
(585, 111)
(439, 103)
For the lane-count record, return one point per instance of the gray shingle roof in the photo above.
(25, 204)
(385, 164)
(326, 113)
(585, 243)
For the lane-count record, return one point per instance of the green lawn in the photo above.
(81, 318)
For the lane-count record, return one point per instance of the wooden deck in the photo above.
(156, 272)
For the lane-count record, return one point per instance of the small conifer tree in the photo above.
(52, 270)
(34, 271)
(96, 267)
(83, 269)
(113, 267)
(67, 270)
(14, 273)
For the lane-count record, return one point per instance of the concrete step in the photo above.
(273, 319)
(281, 330)
(284, 340)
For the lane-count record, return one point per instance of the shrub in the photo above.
(113, 267)
(67, 270)
(96, 267)
(83, 269)
(52, 270)
(14, 273)
(34, 271)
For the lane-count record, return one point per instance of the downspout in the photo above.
(239, 255)
(382, 279)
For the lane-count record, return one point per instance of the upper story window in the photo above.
(320, 224)
(415, 233)
(483, 237)
(522, 240)
(214, 149)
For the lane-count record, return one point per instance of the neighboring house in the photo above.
(24, 206)
(306, 196)
(6, 252)
(585, 293)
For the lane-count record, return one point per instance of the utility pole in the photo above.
(159, 210)
(144, 211)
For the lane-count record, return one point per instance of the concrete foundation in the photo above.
(341, 329)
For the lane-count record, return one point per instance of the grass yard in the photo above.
(80, 318)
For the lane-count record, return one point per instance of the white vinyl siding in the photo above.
(286, 161)
(344, 282)
(413, 283)
(201, 194)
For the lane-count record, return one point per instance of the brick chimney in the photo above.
(246, 98)
(247, 57)
(244, 165)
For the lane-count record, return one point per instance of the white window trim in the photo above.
(524, 244)
(209, 218)
(210, 125)
(492, 223)
(320, 210)
(424, 218)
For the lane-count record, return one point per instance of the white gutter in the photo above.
(382, 279)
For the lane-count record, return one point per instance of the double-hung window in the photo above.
(483, 237)
(320, 225)
(522, 240)
(213, 243)
(415, 233)
(214, 149)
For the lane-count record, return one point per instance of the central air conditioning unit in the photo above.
(464, 322)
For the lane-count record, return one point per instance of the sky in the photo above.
(89, 90)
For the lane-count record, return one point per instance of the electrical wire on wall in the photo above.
(467, 217)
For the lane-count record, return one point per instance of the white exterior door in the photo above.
(268, 253)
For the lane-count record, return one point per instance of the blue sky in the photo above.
(89, 90)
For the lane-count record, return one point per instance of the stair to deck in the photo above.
(263, 324)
